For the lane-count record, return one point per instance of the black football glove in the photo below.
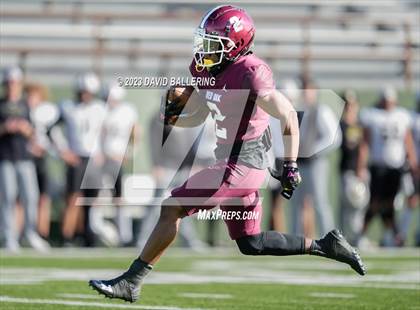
(289, 178)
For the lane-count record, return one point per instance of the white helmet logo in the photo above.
(236, 23)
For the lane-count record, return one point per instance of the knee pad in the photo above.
(250, 245)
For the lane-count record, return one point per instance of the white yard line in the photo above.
(402, 280)
(60, 253)
(80, 296)
(220, 252)
(331, 295)
(86, 304)
(208, 296)
(321, 265)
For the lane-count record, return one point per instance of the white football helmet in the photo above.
(88, 82)
(356, 191)
(12, 74)
(113, 92)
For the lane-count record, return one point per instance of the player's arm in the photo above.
(278, 106)
(17, 126)
(184, 107)
(7, 127)
(411, 151)
(59, 141)
(363, 156)
(193, 119)
(136, 134)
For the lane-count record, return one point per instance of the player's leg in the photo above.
(88, 197)
(388, 218)
(247, 232)
(373, 209)
(29, 195)
(350, 217)
(251, 241)
(407, 216)
(333, 246)
(164, 232)
(245, 228)
(128, 285)
(391, 187)
(376, 192)
(44, 203)
(123, 219)
(277, 210)
(44, 215)
(273, 243)
(8, 192)
(71, 211)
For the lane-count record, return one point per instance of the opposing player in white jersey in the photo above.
(82, 119)
(387, 144)
(119, 132)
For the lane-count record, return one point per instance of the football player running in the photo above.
(222, 50)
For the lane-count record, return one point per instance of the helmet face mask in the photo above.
(207, 46)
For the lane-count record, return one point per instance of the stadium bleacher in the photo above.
(365, 43)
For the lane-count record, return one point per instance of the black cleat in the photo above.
(336, 247)
(120, 287)
(127, 286)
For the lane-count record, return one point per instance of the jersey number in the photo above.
(218, 117)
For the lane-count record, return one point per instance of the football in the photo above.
(179, 95)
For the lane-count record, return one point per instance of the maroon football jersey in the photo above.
(232, 99)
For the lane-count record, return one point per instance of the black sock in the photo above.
(138, 270)
(88, 235)
(316, 248)
(272, 243)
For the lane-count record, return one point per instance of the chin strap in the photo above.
(199, 68)
(207, 65)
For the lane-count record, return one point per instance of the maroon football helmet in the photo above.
(226, 31)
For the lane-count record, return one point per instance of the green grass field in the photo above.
(218, 279)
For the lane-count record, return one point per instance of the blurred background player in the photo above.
(43, 115)
(354, 193)
(82, 119)
(290, 89)
(120, 131)
(318, 128)
(412, 180)
(17, 170)
(387, 143)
